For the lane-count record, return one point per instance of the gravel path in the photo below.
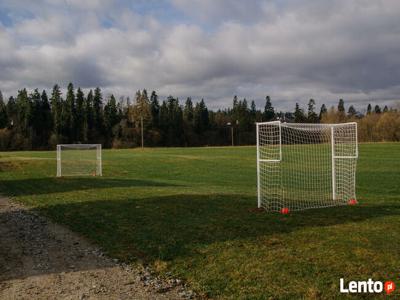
(42, 260)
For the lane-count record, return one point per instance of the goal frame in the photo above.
(98, 158)
(333, 155)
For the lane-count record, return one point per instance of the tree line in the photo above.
(37, 120)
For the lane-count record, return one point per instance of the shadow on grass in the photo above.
(41, 186)
(169, 227)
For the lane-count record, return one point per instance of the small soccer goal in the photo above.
(79, 160)
(301, 166)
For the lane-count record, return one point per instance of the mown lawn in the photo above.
(189, 212)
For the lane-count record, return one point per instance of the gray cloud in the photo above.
(291, 50)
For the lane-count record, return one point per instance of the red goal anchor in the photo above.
(352, 202)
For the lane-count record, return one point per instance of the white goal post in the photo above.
(79, 160)
(301, 166)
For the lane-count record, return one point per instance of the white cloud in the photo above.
(291, 50)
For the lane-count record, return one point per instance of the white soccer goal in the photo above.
(79, 160)
(302, 166)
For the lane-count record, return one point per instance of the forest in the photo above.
(38, 120)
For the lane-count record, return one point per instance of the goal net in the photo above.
(302, 166)
(79, 160)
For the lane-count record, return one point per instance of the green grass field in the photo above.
(190, 213)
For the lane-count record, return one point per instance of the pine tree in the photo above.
(245, 118)
(11, 111)
(24, 113)
(68, 115)
(37, 125)
(312, 117)
(235, 102)
(269, 112)
(253, 109)
(47, 120)
(369, 109)
(3, 113)
(188, 111)
(299, 115)
(110, 119)
(341, 105)
(98, 114)
(175, 122)
(89, 123)
(56, 108)
(201, 117)
(155, 109)
(352, 111)
(113, 115)
(377, 109)
(385, 109)
(323, 111)
(80, 116)
(205, 119)
(164, 115)
(341, 110)
(23, 122)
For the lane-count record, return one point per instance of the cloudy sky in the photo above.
(292, 50)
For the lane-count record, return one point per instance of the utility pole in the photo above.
(141, 129)
(231, 125)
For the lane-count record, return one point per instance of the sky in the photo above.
(292, 50)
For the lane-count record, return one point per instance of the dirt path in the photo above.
(42, 260)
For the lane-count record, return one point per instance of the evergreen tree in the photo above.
(23, 122)
(341, 111)
(244, 117)
(3, 113)
(188, 111)
(385, 109)
(312, 117)
(24, 113)
(299, 115)
(164, 117)
(110, 119)
(112, 111)
(341, 105)
(32, 122)
(56, 108)
(200, 117)
(155, 109)
(89, 123)
(235, 102)
(47, 119)
(369, 109)
(253, 109)
(323, 111)
(352, 111)
(68, 115)
(80, 116)
(175, 120)
(37, 125)
(98, 114)
(11, 111)
(269, 112)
